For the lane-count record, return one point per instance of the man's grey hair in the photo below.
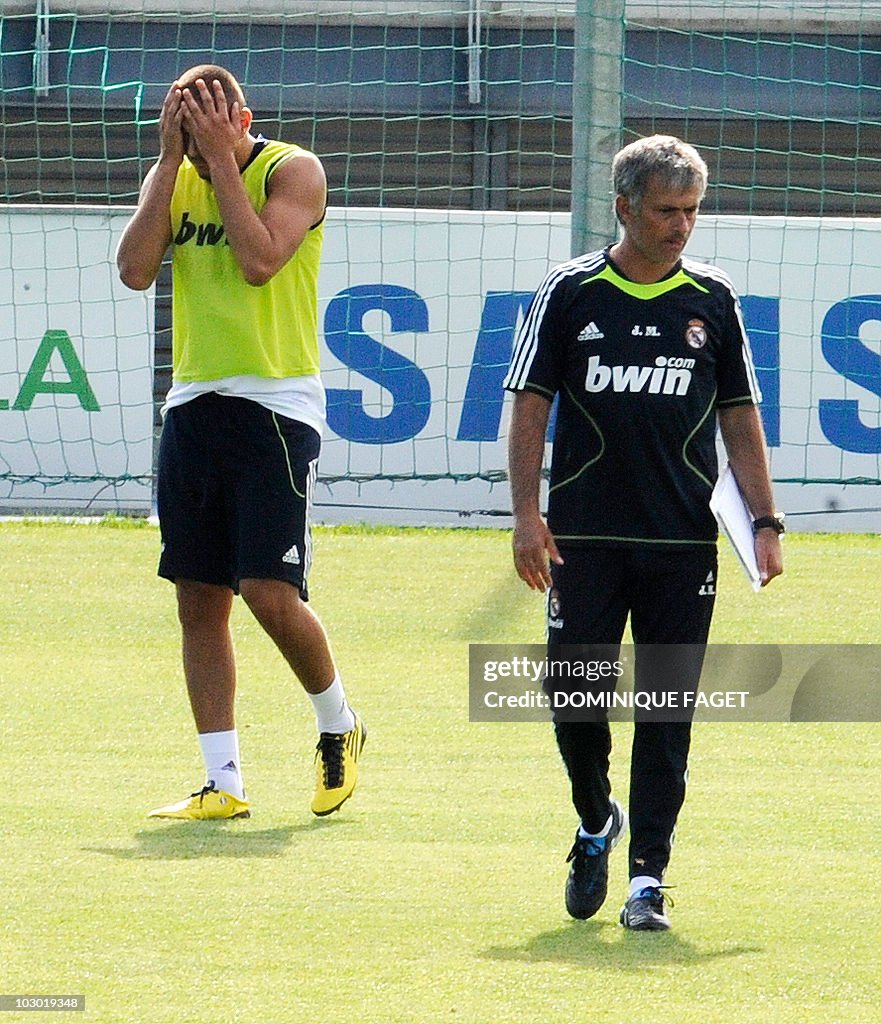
(662, 160)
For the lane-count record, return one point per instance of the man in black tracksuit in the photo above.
(646, 352)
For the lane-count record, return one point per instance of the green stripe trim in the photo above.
(287, 457)
(689, 439)
(646, 291)
(536, 389)
(599, 454)
(744, 400)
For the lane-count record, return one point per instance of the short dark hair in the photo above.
(673, 163)
(213, 73)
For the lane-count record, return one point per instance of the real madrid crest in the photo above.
(696, 334)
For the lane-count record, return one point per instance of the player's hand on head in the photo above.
(171, 135)
(215, 127)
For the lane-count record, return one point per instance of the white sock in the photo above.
(223, 765)
(641, 882)
(332, 711)
(606, 829)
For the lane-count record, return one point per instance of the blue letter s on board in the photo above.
(408, 385)
(840, 417)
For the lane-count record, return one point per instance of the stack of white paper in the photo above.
(736, 521)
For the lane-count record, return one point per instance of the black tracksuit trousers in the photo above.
(669, 595)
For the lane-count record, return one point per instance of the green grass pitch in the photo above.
(436, 895)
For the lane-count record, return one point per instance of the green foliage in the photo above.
(436, 895)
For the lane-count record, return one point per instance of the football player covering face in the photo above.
(656, 230)
(212, 125)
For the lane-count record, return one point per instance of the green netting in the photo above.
(447, 133)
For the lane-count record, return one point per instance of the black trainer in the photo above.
(645, 912)
(588, 861)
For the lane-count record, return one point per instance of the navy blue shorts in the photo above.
(234, 492)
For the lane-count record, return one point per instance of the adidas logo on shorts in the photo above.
(292, 556)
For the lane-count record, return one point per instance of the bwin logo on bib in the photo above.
(670, 375)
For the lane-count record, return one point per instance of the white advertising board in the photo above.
(811, 291)
(428, 303)
(418, 310)
(76, 365)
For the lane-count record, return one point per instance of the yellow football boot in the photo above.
(208, 803)
(336, 768)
